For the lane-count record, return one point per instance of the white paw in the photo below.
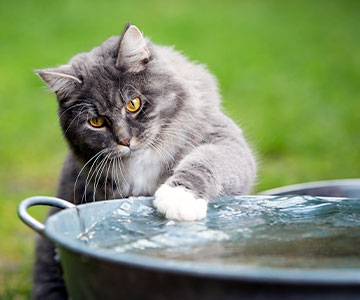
(179, 204)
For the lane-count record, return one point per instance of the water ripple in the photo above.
(286, 231)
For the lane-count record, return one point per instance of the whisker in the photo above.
(138, 92)
(184, 131)
(175, 137)
(78, 115)
(112, 177)
(77, 178)
(162, 149)
(99, 173)
(87, 181)
(117, 177)
(162, 156)
(107, 175)
(71, 107)
(121, 170)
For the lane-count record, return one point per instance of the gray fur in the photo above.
(184, 138)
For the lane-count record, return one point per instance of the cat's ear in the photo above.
(133, 52)
(60, 80)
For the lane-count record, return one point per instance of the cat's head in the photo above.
(117, 97)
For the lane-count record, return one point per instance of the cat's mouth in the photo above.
(120, 151)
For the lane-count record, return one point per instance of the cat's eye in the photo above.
(97, 122)
(133, 105)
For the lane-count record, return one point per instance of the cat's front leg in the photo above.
(208, 172)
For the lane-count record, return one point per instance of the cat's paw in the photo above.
(179, 204)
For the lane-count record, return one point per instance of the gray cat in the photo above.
(140, 119)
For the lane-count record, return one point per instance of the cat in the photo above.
(141, 120)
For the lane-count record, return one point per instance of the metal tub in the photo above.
(97, 274)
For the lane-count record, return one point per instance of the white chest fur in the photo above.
(142, 173)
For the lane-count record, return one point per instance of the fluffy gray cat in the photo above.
(142, 120)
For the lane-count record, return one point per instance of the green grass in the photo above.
(288, 70)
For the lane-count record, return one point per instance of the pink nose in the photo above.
(125, 142)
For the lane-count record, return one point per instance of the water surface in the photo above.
(286, 232)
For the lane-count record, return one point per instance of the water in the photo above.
(284, 232)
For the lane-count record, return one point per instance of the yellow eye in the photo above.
(133, 105)
(97, 122)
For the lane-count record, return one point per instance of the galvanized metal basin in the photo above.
(96, 273)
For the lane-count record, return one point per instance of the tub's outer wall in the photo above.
(93, 279)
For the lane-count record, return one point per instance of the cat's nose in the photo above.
(125, 142)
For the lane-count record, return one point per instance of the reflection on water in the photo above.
(284, 232)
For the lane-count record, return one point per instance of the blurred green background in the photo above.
(289, 72)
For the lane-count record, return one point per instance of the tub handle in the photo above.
(39, 200)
